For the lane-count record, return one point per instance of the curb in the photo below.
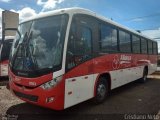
(154, 76)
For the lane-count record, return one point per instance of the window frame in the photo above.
(151, 45)
(77, 18)
(100, 37)
(80, 26)
(133, 35)
(129, 33)
(145, 45)
(155, 49)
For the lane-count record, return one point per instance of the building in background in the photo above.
(9, 20)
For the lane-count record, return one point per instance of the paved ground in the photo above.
(129, 101)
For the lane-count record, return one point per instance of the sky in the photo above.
(143, 15)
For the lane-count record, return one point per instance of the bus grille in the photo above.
(26, 96)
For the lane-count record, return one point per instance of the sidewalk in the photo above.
(154, 76)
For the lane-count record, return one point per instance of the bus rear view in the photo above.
(4, 55)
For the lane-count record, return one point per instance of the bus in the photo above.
(4, 54)
(67, 56)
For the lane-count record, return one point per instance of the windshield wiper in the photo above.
(19, 49)
(28, 61)
(30, 53)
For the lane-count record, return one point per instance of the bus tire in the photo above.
(101, 90)
(144, 78)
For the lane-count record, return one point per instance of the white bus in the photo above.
(67, 56)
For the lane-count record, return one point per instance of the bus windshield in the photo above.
(40, 45)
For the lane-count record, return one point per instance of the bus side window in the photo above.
(79, 46)
(154, 48)
(108, 38)
(124, 40)
(83, 43)
(71, 47)
(150, 47)
(143, 46)
(135, 44)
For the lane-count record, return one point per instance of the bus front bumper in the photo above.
(53, 98)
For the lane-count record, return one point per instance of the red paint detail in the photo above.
(25, 81)
(57, 91)
(103, 64)
(5, 62)
(99, 65)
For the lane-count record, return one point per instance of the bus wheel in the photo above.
(144, 78)
(101, 90)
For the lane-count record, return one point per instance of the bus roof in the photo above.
(75, 10)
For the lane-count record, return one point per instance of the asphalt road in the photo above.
(122, 103)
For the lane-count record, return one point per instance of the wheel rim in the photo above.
(101, 91)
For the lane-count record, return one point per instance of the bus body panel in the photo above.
(129, 70)
(30, 82)
(37, 95)
(79, 83)
(79, 89)
(124, 76)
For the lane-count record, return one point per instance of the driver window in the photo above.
(79, 45)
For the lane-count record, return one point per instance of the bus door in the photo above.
(80, 45)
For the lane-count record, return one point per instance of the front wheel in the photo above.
(101, 91)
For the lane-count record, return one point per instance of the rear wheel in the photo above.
(101, 90)
(144, 78)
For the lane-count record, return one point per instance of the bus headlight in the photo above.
(52, 83)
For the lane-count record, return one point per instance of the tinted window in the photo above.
(108, 41)
(79, 45)
(135, 44)
(124, 42)
(143, 46)
(83, 42)
(149, 47)
(155, 48)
